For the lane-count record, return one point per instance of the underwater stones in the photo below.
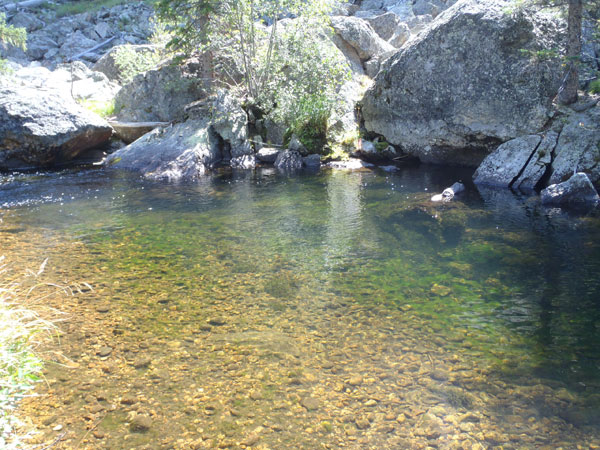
(310, 403)
(104, 351)
(355, 380)
(141, 423)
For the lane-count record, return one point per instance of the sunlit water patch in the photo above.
(340, 309)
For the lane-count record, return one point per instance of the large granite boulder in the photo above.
(182, 152)
(576, 190)
(466, 83)
(158, 95)
(40, 128)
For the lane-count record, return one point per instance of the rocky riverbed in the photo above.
(241, 342)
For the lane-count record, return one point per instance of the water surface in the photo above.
(328, 310)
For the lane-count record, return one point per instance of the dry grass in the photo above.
(25, 326)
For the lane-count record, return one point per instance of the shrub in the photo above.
(12, 36)
(289, 69)
(131, 62)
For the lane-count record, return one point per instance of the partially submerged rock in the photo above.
(39, 129)
(578, 147)
(182, 152)
(502, 167)
(289, 160)
(350, 164)
(577, 190)
(449, 193)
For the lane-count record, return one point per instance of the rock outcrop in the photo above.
(571, 144)
(41, 128)
(466, 84)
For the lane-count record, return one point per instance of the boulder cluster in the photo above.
(453, 82)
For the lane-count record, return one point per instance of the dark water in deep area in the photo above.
(338, 309)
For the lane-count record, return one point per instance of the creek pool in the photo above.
(327, 310)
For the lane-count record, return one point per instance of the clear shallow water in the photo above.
(339, 309)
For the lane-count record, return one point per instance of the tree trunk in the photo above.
(567, 93)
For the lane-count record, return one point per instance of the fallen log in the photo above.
(95, 47)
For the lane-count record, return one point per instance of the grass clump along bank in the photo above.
(23, 329)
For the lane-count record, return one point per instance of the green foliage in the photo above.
(289, 69)
(546, 54)
(131, 62)
(92, 6)
(594, 87)
(13, 36)
(103, 109)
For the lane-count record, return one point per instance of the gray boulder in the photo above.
(385, 25)
(289, 160)
(578, 147)
(267, 154)
(158, 95)
(296, 146)
(76, 43)
(576, 190)
(464, 85)
(182, 152)
(26, 20)
(39, 128)
(401, 35)
(312, 161)
(361, 36)
(37, 48)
